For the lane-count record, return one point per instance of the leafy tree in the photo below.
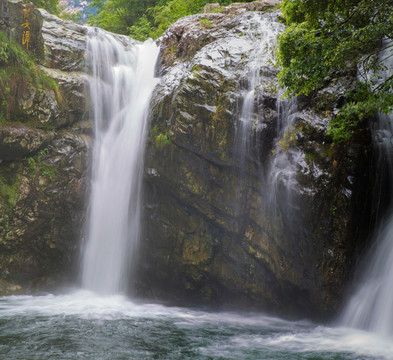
(118, 15)
(326, 38)
(51, 6)
(142, 19)
(17, 70)
(157, 19)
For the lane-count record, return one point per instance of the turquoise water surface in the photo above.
(82, 325)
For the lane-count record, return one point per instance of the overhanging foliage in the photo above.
(325, 39)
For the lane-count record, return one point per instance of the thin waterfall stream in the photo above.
(121, 85)
(262, 56)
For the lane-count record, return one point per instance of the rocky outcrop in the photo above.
(248, 206)
(64, 44)
(22, 22)
(44, 151)
(17, 141)
(190, 34)
(267, 218)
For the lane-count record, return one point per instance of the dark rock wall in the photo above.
(275, 230)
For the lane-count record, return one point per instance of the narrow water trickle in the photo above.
(120, 86)
(282, 173)
(264, 32)
(262, 56)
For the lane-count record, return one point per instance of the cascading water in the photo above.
(261, 58)
(371, 307)
(120, 86)
(282, 171)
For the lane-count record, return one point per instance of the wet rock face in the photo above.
(64, 43)
(18, 141)
(190, 34)
(272, 226)
(44, 157)
(42, 211)
(59, 48)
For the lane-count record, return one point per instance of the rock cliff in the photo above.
(242, 208)
(246, 200)
(44, 150)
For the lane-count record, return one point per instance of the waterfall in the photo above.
(120, 86)
(262, 56)
(371, 307)
(283, 169)
(263, 31)
(281, 172)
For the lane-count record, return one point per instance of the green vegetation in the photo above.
(161, 139)
(51, 6)
(75, 17)
(206, 23)
(47, 171)
(31, 166)
(288, 139)
(118, 15)
(9, 187)
(18, 72)
(328, 39)
(142, 19)
(36, 165)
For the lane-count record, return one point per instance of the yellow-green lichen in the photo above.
(9, 187)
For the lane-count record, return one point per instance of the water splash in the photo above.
(121, 85)
(83, 325)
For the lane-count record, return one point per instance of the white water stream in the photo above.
(282, 173)
(371, 308)
(121, 85)
(266, 31)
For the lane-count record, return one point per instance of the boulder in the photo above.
(64, 43)
(18, 141)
